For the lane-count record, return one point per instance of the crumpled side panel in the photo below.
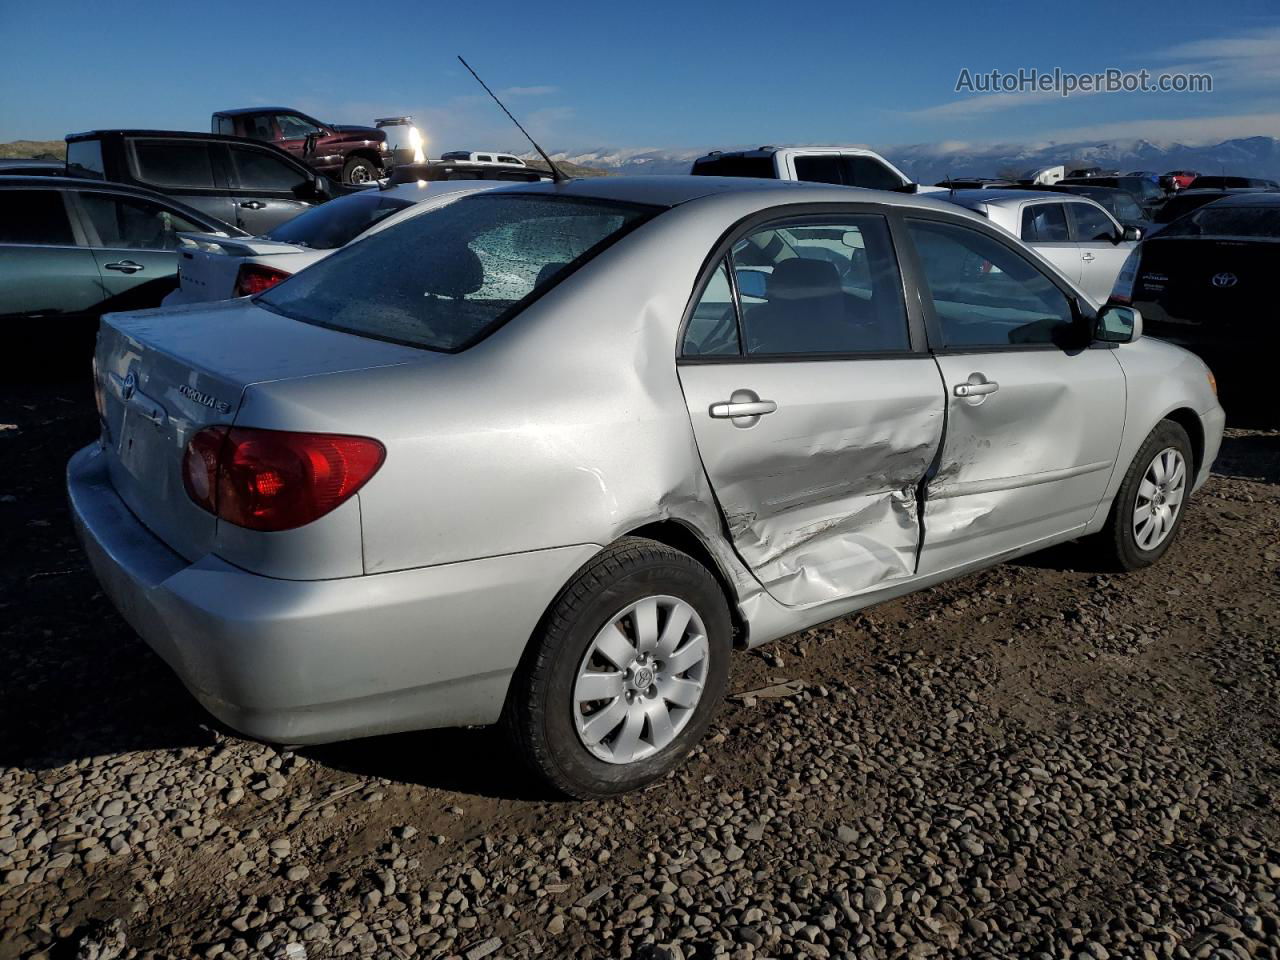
(820, 496)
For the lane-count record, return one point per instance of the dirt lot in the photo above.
(1035, 761)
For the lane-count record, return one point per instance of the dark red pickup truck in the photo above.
(343, 152)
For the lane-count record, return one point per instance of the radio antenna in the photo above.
(556, 174)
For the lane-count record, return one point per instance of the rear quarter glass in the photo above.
(448, 278)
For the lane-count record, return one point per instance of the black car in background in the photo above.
(73, 249)
(1207, 282)
(254, 186)
(1184, 201)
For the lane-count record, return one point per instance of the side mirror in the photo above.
(1117, 323)
(1132, 233)
(751, 283)
(320, 186)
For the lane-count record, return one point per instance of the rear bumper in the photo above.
(317, 661)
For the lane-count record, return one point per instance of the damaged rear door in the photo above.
(1035, 414)
(816, 411)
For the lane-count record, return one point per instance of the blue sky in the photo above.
(641, 75)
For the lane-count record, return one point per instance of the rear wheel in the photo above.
(623, 677)
(1148, 508)
(360, 170)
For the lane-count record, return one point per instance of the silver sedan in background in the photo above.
(535, 457)
(1077, 235)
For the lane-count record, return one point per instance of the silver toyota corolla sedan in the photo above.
(547, 454)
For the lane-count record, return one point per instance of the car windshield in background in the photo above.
(447, 278)
(338, 222)
(1253, 223)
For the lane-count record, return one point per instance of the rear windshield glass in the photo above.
(338, 222)
(446, 278)
(1215, 221)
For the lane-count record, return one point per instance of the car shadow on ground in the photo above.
(477, 761)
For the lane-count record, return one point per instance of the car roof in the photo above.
(1001, 197)
(238, 111)
(169, 134)
(671, 191)
(1252, 198)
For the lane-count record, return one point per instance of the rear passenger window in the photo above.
(259, 170)
(34, 217)
(1045, 223)
(823, 288)
(984, 294)
(173, 163)
(713, 329)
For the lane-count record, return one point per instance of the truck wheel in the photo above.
(1148, 508)
(625, 672)
(360, 170)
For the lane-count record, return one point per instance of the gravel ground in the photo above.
(1036, 761)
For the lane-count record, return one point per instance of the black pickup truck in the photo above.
(252, 185)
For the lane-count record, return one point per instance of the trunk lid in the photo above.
(208, 264)
(166, 374)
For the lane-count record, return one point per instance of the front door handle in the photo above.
(124, 266)
(253, 205)
(978, 389)
(1087, 257)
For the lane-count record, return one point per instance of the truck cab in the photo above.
(345, 152)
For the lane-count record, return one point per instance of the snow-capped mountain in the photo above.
(928, 163)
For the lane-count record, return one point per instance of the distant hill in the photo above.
(34, 150)
(569, 169)
(929, 163)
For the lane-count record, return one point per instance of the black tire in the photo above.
(372, 171)
(1117, 544)
(539, 713)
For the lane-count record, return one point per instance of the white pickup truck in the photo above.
(848, 166)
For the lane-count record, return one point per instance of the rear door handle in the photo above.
(1087, 257)
(976, 389)
(749, 408)
(253, 204)
(124, 266)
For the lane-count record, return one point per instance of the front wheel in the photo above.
(1148, 508)
(359, 170)
(625, 673)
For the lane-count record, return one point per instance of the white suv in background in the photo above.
(847, 166)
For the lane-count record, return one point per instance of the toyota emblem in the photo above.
(1224, 280)
(130, 385)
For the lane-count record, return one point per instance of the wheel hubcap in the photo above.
(360, 174)
(1159, 499)
(641, 679)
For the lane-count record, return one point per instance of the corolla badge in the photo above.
(130, 385)
(1224, 280)
(204, 399)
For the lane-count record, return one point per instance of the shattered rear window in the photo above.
(445, 279)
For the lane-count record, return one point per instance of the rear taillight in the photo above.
(255, 277)
(1122, 291)
(273, 479)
